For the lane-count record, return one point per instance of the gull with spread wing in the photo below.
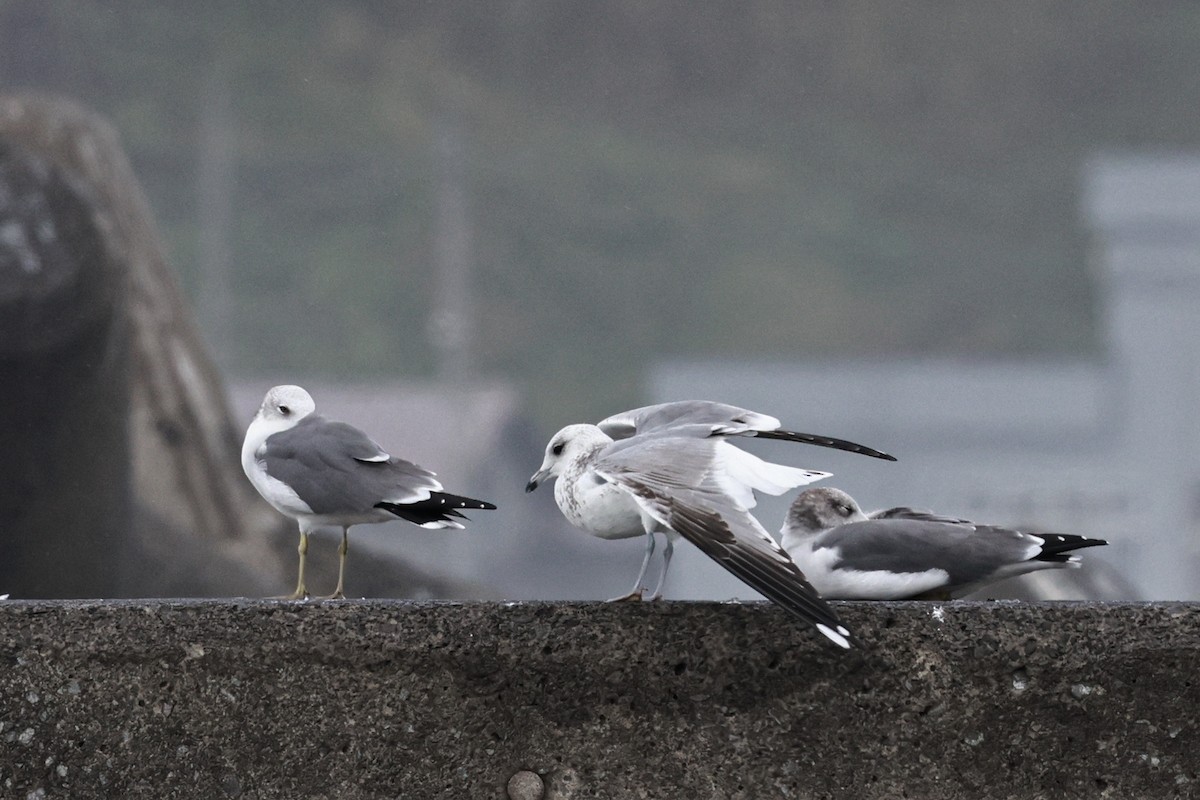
(684, 481)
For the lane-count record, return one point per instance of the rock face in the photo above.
(663, 700)
(65, 365)
(120, 473)
(119, 460)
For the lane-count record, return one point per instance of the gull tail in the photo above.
(741, 474)
(439, 510)
(824, 441)
(1055, 546)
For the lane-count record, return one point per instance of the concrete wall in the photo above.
(667, 700)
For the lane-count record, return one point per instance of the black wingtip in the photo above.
(781, 582)
(438, 507)
(529, 487)
(825, 441)
(1056, 545)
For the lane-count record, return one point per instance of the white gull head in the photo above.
(282, 408)
(588, 501)
(569, 451)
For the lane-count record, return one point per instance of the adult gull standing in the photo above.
(901, 553)
(325, 473)
(682, 481)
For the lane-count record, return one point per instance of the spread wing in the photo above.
(689, 486)
(720, 419)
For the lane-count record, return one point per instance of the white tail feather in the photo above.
(443, 523)
(741, 474)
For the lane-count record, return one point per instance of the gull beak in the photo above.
(535, 479)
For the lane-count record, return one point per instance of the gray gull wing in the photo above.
(678, 482)
(337, 469)
(967, 553)
(722, 419)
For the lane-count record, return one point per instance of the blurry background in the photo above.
(464, 225)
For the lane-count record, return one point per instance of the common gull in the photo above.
(682, 481)
(903, 553)
(325, 473)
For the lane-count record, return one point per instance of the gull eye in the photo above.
(843, 509)
(284, 410)
(557, 449)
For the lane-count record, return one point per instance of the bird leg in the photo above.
(301, 592)
(638, 590)
(662, 576)
(345, 548)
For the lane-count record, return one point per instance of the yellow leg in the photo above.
(342, 551)
(301, 592)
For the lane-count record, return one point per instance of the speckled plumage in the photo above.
(683, 482)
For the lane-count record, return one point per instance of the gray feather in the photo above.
(967, 553)
(672, 478)
(326, 464)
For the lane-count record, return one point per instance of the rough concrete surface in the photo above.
(386, 699)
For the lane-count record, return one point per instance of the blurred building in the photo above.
(1106, 447)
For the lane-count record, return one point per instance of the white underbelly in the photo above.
(850, 584)
(601, 509)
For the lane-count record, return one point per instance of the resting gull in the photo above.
(320, 472)
(682, 481)
(902, 553)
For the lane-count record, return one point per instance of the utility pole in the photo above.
(215, 197)
(451, 323)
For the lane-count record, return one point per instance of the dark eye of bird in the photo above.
(557, 449)
(284, 410)
(844, 510)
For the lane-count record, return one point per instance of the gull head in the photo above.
(816, 510)
(283, 407)
(570, 445)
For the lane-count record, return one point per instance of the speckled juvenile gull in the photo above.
(901, 553)
(320, 472)
(721, 419)
(683, 482)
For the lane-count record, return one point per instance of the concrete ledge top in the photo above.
(255, 699)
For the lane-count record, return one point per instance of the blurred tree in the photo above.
(647, 179)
